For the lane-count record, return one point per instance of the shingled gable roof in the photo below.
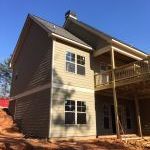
(50, 28)
(96, 32)
(58, 30)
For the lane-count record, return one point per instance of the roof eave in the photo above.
(114, 41)
(106, 37)
(70, 41)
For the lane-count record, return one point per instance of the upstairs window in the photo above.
(75, 63)
(80, 65)
(70, 62)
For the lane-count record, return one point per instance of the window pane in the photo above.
(72, 102)
(81, 106)
(80, 70)
(106, 123)
(72, 108)
(79, 109)
(69, 118)
(84, 109)
(67, 108)
(80, 60)
(79, 103)
(67, 102)
(70, 57)
(70, 67)
(84, 104)
(69, 105)
(81, 118)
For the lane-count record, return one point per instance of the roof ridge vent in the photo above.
(71, 14)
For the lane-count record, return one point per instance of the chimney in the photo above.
(71, 14)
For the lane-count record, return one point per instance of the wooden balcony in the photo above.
(127, 74)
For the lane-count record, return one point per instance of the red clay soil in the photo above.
(11, 139)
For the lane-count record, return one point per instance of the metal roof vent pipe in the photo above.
(71, 14)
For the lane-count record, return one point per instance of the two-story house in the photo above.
(76, 81)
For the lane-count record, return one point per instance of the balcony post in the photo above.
(114, 94)
(138, 115)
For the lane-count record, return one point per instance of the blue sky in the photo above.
(128, 20)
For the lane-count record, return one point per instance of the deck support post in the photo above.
(138, 116)
(115, 95)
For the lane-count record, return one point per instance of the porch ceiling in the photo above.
(120, 59)
(141, 89)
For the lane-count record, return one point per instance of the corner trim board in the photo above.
(51, 92)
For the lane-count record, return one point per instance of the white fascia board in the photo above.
(71, 41)
(71, 16)
(126, 53)
(131, 48)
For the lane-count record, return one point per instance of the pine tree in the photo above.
(5, 78)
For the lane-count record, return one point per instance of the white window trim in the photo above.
(76, 112)
(80, 64)
(76, 64)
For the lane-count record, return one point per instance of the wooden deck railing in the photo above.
(123, 73)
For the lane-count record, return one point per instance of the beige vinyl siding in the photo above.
(59, 128)
(82, 89)
(64, 77)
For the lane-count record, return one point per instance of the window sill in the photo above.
(71, 73)
(75, 125)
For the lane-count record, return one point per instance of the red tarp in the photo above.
(4, 102)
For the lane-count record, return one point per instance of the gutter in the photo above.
(70, 41)
(131, 48)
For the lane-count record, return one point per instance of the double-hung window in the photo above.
(80, 65)
(69, 112)
(75, 63)
(70, 62)
(81, 112)
(75, 112)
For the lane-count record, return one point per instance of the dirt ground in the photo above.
(11, 139)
